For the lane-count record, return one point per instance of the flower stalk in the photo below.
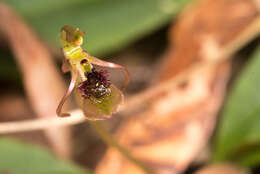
(95, 94)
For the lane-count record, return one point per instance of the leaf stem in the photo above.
(110, 141)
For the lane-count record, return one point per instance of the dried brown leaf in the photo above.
(44, 86)
(223, 169)
(169, 134)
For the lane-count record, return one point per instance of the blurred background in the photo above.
(192, 105)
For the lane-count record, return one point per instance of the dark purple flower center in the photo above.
(83, 61)
(96, 84)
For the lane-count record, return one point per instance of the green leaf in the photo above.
(109, 25)
(238, 135)
(21, 158)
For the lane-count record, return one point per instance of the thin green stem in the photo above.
(110, 141)
(71, 40)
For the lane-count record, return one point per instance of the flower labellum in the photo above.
(96, 85)
(96, 95)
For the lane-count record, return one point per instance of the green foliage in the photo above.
(109, 25)
(238, 136)
(21, 158)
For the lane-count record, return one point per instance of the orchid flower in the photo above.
(96, 95)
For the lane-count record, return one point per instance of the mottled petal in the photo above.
(101, 108)
(74, 76)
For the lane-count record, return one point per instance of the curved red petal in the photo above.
(99, 62)
(74, 76)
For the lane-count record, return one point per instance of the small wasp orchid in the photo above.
(96, 95)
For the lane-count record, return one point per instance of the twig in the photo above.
(41, 123)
